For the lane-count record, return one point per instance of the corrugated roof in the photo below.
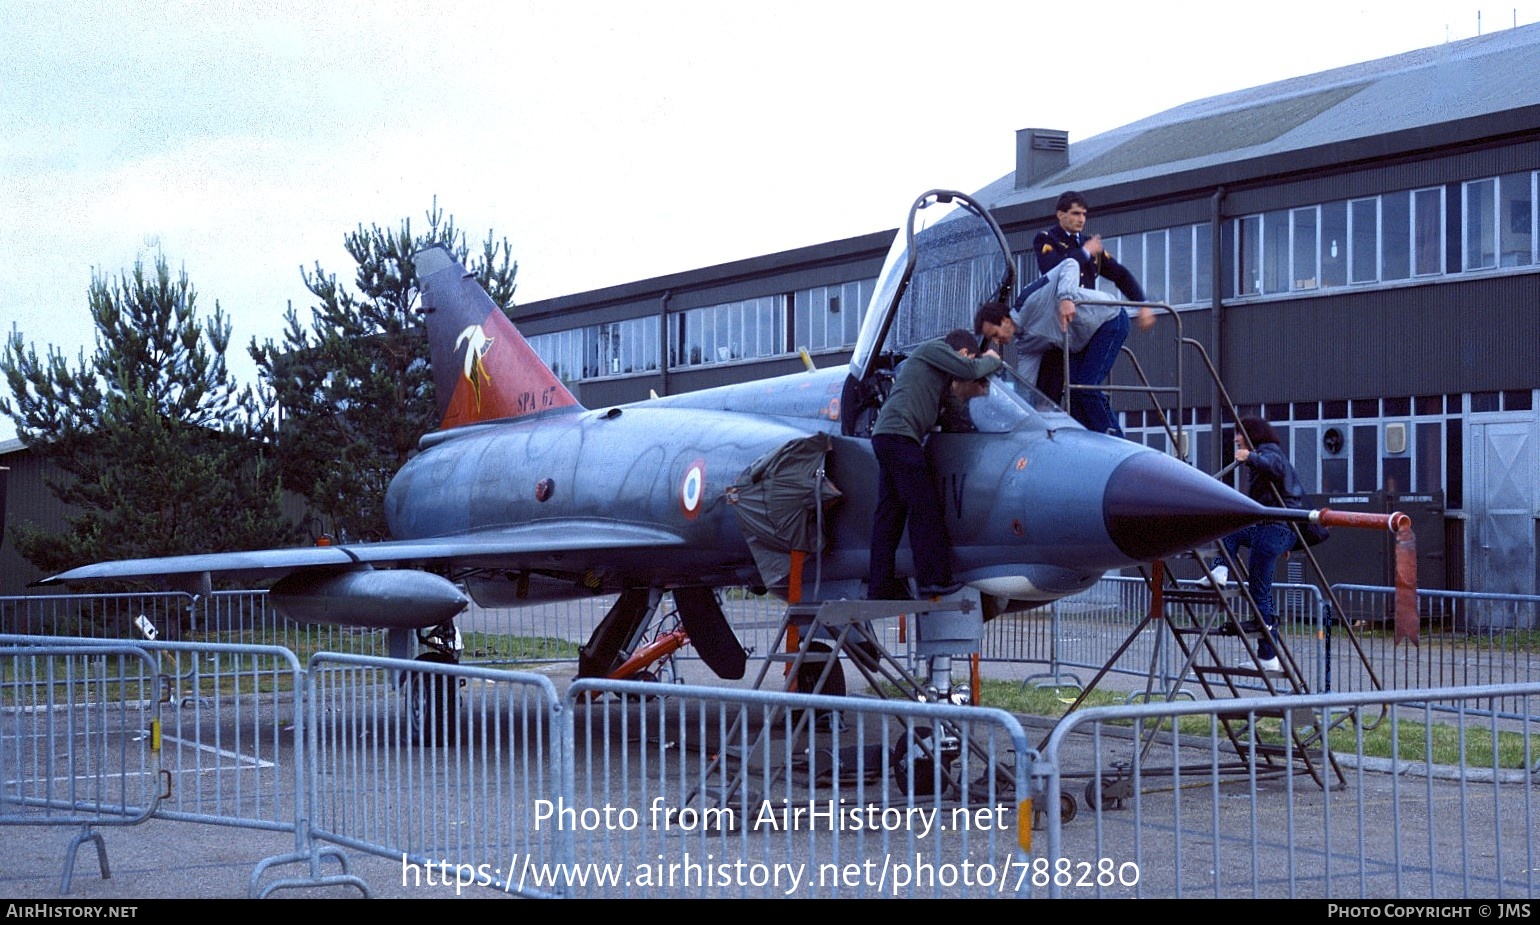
(1479, 76)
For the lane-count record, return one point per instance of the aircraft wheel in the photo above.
(432, 703)
(1067, 810)
(808, 672)
(1106, 795)
(910, 752)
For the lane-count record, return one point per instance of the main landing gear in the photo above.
(431, 699)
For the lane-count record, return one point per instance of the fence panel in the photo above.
(440, 767)
(1465, 638)
(80, 735)
(1077, 636)
(709, 792)
(229, 754)
(1434, 801)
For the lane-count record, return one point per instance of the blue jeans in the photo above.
(1090, 365)
(1268, 542)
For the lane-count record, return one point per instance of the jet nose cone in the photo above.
(1156, 506)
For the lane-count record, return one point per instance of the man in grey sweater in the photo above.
(1051, 307)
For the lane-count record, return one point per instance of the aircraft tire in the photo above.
(432, 703)
(1068, 808)
(924, 780)
(808, 672)
(1106, 796)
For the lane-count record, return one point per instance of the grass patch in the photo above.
(1405, 740)
(498, 647)
(1052, 702)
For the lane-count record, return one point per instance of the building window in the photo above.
(1481, 224)
(1516, 219)
(1129, 251)
(829, 317)
(1364, 241)
(1499, 222)
(562, 351)
(1275, 252)
(616, 348)
(1391, 237)
(1173, 265)
(1428, 232)
(1248, 257)
(1334, 244)
(746, 330)
(1303, 233)
(1154, 278)
(1181, 254)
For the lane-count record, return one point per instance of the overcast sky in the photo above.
(607, 141)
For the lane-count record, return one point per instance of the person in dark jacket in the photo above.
(906, 492)
(1271, 481)
(1068, 241)
(1096, 338)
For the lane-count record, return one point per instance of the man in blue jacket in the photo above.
(1093, 353)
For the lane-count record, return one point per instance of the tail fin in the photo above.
(483, 368)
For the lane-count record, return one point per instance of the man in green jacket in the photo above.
(906, 491)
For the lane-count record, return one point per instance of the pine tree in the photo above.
(159, 450)
(355, 387)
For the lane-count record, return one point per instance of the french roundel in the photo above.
(692, 489)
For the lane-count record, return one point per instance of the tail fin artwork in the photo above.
(483, 368)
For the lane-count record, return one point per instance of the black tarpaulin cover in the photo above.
(778, 500)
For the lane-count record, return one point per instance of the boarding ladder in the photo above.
(1202, 621)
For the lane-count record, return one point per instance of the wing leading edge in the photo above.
(506, 546)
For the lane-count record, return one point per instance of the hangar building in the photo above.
(1355, 249)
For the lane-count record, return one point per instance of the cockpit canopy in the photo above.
(950, 258)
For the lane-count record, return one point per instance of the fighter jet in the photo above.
(523, 494)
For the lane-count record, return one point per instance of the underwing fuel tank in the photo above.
(374, 598)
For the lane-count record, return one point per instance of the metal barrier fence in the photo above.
(442, 767)
(79, 741)
(1467, 638)
(1221, 809)
(79, 735)
(227, 719)
(1077, 636)
(486, 780)
(696, 792)
(92, 616)
(548, 631)
(233, 617)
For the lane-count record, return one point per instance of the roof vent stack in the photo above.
(1040, 152)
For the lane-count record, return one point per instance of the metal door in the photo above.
(1500, 502)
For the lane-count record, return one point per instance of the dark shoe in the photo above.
(1251, 627)
(932, 591)
(891, 590)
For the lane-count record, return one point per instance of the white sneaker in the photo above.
(1221, 575)
(1269, 665)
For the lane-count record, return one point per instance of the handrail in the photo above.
(1397, 523)
(1147, 388)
